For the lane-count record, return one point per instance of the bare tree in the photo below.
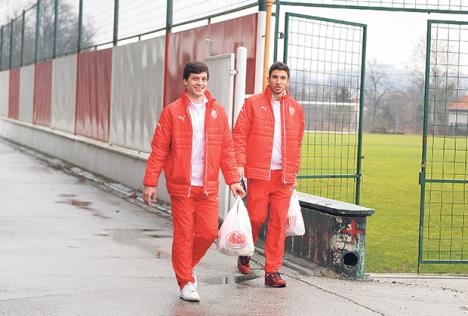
(67, 30)
(443, 85)
(378, 87)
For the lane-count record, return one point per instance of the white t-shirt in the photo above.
(197, 117)
(276, 157)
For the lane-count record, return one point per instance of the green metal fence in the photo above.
(52, 28)
(443, 231)
(434, 6)
(327, 62)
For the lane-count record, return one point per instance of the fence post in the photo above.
(22, 38)
(36, 46)
(362, 94)
(260, 46)
(277, 20)
(266, 57)
(80, 25)
(54, 49)
(261, 5)
(11, 43)
(116, 23)
(169, 12)
(169, 9)
(1, 47)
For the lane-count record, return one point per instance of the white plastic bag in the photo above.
(235, 235)
(295, 223)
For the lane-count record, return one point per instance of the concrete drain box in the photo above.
(335, 235)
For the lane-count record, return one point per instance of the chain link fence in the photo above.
(325, 57)
(52, 28)
(436, 6)
(444, 207)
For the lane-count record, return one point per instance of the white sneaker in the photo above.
(189, 293)
(195, 282)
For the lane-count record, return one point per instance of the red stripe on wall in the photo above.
(42, 93)
(93, 94)
(225, 37)
(14, 93)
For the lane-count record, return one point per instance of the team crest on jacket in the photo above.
(214, 114)
(291, 110)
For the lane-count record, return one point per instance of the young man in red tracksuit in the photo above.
(267, 140)
(192, 142)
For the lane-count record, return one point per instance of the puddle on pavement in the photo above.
(65, 195)
(83, 205)
(75, 202)
(135, 237)
(232, 279)
(131, 233)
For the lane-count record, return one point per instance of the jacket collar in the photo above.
(268, 94)
(186, 100)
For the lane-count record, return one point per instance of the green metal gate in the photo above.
(327, 62)
(443, 228)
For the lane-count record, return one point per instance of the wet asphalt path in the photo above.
(68, 247)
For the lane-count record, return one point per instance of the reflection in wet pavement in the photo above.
(84, 205)
(232, 279)
(132, 233)
(136, 236)
(67, 195)
(75, 202)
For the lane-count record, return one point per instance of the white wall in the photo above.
(137, 93)
(4, 90)
(64, 93)
(26, 94)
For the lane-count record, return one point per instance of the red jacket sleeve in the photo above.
(160, 147)
(241, 132)
(228, 161)
(301, 135)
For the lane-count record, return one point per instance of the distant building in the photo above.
(458, 116)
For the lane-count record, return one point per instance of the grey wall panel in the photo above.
(4, 88)
(137, 93)
(26, 94)
(64, 93)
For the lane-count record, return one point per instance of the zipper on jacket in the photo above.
(205, 164)
(205, 171)
(273, 140)
(191, 148)
(284, 141)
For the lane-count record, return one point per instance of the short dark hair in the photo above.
(195, 67)
(278, 66)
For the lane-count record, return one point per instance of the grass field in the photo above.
(391, 166)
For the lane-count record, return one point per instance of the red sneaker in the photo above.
(243, 264)
(274, 280)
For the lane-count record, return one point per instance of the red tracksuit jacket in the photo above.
(172, 148)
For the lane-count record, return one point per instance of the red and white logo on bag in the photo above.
(236, 240)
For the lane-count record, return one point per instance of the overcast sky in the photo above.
(391, 35)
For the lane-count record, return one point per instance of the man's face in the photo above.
(196, 84)
(278, 81)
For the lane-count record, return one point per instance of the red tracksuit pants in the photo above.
(277, 194)
(195, 221)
